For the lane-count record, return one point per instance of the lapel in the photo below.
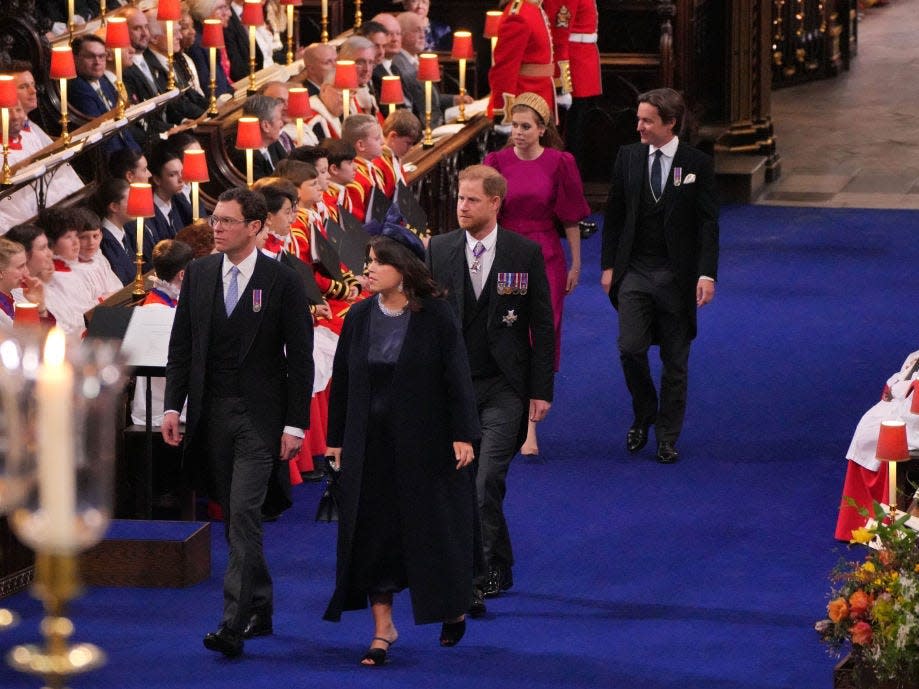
(250, 320)
(637, 171)
(203, 302)
(503, 263)
(456, 263)
(671, 192)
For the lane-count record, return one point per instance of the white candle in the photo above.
(5, 114)
(139, 235)
(325, 9)
(70, 12)
(462, 75)
(118, 65)
(290, 20)
(64, 96)
(346, 102)
(195, 215)
(213, 63)
(427, 98)
(169, 38)
(57, 492)
(251, 42)
(892, 487)
(299, 131)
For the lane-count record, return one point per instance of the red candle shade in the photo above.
(892, 445)
(253, 13)
(212, 34)
(298, 103)
(428, 67)
(292, 2)
(194, 166)
(345, 74)
(248, 133)
(492, 21)
(914, 405)
(62, 65)
(391, 91)
(116, 33)
(140, 200)
(8, 95)
(169, 10)
(462, 45)
(26, 314)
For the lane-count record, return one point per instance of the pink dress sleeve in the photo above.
(570, 205)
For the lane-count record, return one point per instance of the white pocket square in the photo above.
(689, 179)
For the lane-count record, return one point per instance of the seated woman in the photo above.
(407, 503)
(866, 476)
(16, 285)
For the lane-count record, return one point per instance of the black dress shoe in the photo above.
(499, 579)
(477, 609)
(259, 625)
(452, 632)
(636, 438)
(224, 641)
(666, 452)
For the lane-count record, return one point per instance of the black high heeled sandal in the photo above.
(377, 656)
(452, 632)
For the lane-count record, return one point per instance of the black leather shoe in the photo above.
(224, 641)
(666, 452)
(259, 625)
(499, 579)
(636, 438)
(477, 609)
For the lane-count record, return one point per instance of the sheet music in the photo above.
(146, 341)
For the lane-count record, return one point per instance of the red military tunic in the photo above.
(523, 55)
(582, 52)
(366, 177)
(390, 170)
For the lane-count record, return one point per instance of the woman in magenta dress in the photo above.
(544, 192)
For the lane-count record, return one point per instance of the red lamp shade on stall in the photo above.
(26, 314)
(8, 92)
(168, 10)
(462, 46)
(345, 74)
(140, 200)
(194, 166)
(428, 67)
(298, 103)
(492, 22)
(253, 13)
(212, 34)
(248, 133)
(62, 64)
(116, 33)
(295, 3)
(391, 91)
(892, 446)
(914, 405)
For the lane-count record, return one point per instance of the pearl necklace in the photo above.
(392, 313)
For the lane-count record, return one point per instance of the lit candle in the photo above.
(251, 42)
(56, 466)
(140, 236)
(70, 12)
(118, 64)
(213, 62)
(63, 95)
(169, 38)
(462, 75)
(346, 103)
(892, 486)
(290, 20)
(427, 97)
(325, 9)
(5, 113)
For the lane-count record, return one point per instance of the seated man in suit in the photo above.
(407, 63)
(318, 63)
(269, 112)
(393, 47)
(173, 210)
(191, 104)
(91, 93)
(144, 78)
(363, 52)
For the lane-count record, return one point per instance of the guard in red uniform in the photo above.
(523, 55)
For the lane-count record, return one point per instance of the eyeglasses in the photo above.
(215, 220)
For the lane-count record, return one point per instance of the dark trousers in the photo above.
(500, 415)
(241, 467)
(652, 308)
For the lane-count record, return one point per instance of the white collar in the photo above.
(668, 149)
(246, 266)
(488, 241)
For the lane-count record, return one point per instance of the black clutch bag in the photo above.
(327, 510)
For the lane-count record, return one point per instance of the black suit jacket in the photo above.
(84, 99)
(236, 38)
(690, 218)
(260, 167)
(119, 258)
(521, 331)
(275, 359)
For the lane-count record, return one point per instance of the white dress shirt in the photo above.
(487, 258)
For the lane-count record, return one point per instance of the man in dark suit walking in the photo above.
(496, 281)
(660, 262)
(241, 353)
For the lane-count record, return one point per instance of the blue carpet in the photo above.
(708, 574)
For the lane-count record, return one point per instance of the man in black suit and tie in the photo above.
(241, 353)
(270, 114)
(496, 281)
(660, 261)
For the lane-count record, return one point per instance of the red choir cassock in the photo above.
(391, 172)
(523, 55)
(366, 177)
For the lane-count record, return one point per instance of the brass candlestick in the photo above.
(56, 583)
(324, 36)
(212, 106)
(252, 89)
(170, 66)
(358, 17)
(290, 34)
(102, 12)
